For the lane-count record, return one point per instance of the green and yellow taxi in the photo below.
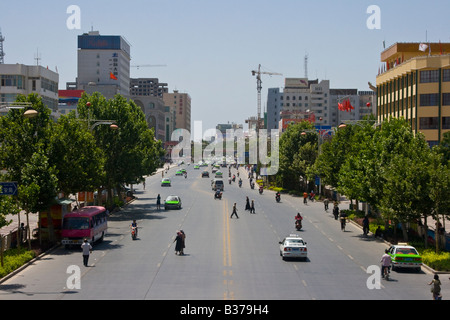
(172, 202)
(405, 256)
(179, 173)
(165, 182)
(196, 167)
(219, 174)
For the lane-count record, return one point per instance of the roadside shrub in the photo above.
(439, 262)
(15, 258)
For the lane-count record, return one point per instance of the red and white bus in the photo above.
(89, 222)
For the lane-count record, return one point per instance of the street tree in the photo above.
(76, 156)
(295, 155)
(39, 189)
(131, 151)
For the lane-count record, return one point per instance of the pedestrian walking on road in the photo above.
(252, 207)
(183, 237)
(179, 243)
(234, 211)
(305, 197)
(247, 204)
(436, 288)
(87, 250)
(325, 203)
(158, 202)
(366, 225)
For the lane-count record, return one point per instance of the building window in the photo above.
(13, 81)
(446, 99)
(428, 76)
(445, 122)
(446, 75)
(427, 123)
(430, 99)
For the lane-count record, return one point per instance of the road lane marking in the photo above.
(226, 252)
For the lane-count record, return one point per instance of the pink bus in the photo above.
(87, 222)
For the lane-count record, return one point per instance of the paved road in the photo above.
(225, 259)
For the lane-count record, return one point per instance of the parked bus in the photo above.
(88, 222)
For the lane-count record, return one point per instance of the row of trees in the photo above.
(386, 166)
(74, 154)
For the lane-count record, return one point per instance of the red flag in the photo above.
(112, 76)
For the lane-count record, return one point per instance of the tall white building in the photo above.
(18, 79)
(313, 100)
(301, 99)
(103, 64)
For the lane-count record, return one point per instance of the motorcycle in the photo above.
(343, 222)
(277, 197)
(218, 195)
(133, 233)
(252, 185)
(298, 225)
(261, 190)
(240, 183)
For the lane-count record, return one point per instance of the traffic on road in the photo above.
(223, 258)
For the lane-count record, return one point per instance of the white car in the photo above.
(293, 247)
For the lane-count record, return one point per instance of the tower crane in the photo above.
(258, 74)
(148, 65)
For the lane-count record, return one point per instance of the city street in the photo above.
(225, 258)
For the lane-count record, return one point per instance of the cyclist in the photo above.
(385, 264)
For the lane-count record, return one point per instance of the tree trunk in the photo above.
(404, 231)
(28, 231)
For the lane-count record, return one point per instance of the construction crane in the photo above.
(148, 65)
(258, 74)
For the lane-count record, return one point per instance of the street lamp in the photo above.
(112, 123)
(30, 113)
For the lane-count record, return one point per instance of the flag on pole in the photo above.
(112, 76)
(423, 47)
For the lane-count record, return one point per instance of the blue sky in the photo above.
(210, 46)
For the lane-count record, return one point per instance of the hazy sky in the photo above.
(210, 47)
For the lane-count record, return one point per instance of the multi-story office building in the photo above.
(301, 99)
(18, 79)
(148, 93)
(147, 87)
(314, 101)
(274, 106)
(103, 64)
(181, 104)
(363, 103)
(414, 84)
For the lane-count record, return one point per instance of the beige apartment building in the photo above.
(414, 83)
(180, 104)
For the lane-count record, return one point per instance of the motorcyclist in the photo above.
(218, 194)
(343, 217)
(336, 211)
(240, 182)
(261, 188)
(278, 196)
(135, 226)
(298, 220)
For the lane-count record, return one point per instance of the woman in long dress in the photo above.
(179, 243)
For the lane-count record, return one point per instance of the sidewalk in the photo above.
(33, 217)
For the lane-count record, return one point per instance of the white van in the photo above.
(217, 184)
